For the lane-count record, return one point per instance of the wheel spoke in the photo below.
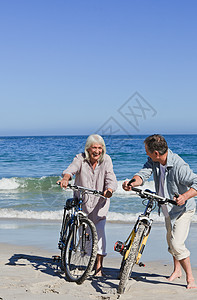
(79, 259)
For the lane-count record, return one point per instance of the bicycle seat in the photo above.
(71, 202)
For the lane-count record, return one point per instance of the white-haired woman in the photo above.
(93, 169)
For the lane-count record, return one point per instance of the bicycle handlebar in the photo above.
(152, 195)
(85, 190)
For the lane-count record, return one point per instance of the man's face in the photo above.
(153, 156)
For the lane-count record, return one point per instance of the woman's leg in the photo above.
(100, 227)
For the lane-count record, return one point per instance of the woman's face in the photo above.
(95, 152)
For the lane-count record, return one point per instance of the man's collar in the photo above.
(169, 159)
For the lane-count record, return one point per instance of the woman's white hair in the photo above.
(95, 139)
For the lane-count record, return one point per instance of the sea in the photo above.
(31, 203)
(31, 165)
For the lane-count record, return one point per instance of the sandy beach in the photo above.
(29, 272)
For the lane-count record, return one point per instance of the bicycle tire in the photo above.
(64, 233)
(127, 265)
(78, 263)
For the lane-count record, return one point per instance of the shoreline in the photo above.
(45, 234)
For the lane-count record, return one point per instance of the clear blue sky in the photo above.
(70, 67)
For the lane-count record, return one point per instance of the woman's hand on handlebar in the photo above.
(64, 182)
(108, 193)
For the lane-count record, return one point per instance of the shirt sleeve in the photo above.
(110, 177)
(74, 167)
(187, 176)
(146, 171)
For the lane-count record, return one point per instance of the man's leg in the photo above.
(186, 265)
(180, 253)
(177, 273)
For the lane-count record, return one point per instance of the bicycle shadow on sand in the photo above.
(104, 285)
(43, 264)
(108, 284)
(154, 278)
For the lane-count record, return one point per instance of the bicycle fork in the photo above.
(125, 248)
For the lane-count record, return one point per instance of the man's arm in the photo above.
(185, 196)
(138, 181)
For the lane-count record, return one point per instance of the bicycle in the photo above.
(78, 237)
(133, 247)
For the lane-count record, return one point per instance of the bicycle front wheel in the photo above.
(79, 253)
(127, 265)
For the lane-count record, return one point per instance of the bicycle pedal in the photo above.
(141, 264)
(60, 246)
(56, 258)
(119, 247)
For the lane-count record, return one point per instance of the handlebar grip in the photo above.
(172, 202)
(130, 181)
(100, 193)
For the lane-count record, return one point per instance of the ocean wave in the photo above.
(29, 184)
(114, 217)
(48, 183)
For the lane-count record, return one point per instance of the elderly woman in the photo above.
(93, 169)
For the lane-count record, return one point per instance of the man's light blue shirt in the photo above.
(178, 179)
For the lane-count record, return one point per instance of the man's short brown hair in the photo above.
(156, 142)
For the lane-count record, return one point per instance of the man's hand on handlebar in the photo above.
(180, 199)
(135, 181)
(126, 187)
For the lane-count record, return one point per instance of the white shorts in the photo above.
(177, 234)
(100, 228)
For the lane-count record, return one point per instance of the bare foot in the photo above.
(98, 274)
(174, 275)
(191, 284)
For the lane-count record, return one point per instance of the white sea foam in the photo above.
(9, 226)
(9, 184)
(120, 192)
(6, 213)
(130, 218)
(30, 214)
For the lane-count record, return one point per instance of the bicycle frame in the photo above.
(72, 209)
(72, 216)
(145, 218)
(152, 198)
(133, 248)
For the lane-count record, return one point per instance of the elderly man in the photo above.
(171, 175)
